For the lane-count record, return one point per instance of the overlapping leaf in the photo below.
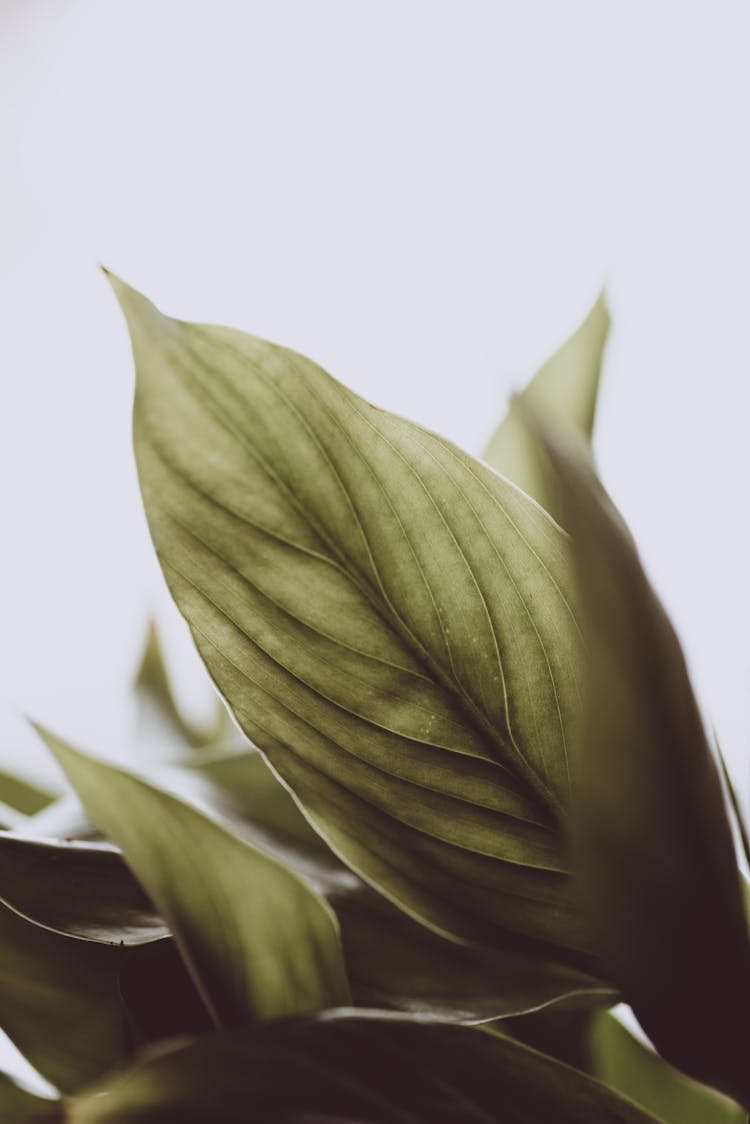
(257, 940)
(655, 847)
(388, 619)
(86, 891)
(342, 1067)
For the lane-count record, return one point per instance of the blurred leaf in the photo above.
(160, 724)
(11, 818)
(80, 889)
(387, 618)
(655, 844)
(23, 795)
(59, 1002)
(564, 393)
(258, 941)
(344, 1067)
(622, 1062)
(19, 1106)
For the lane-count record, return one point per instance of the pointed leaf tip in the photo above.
(137, 309)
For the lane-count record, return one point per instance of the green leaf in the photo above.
(344, 1067)
(19, 1106)
(25, 796)
(623, 1063)
(563, 392)
(388, 619)
(257, 940)
(87, 891)
(79, 889)
(655, 845)
(59, 1002)
(160, 723)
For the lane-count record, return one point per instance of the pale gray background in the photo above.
(423, 196)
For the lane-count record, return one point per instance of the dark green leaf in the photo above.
(59, 1002)
(159, 997)
(564, 393)
(19, 1106)
(257, 940)
(388, 619)
(371, 1067)
(655, 844)
(80, 889)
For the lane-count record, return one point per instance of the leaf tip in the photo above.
(136, 308)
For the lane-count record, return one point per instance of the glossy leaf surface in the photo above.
(80, 889)
(388, 619)
(343, 1067)
(258, 941)
(19, 1106)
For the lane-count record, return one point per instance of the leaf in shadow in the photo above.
(655, 846)
(367, 1067)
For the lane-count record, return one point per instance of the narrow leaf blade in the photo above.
(258, 941)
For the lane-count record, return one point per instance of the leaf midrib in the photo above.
(377, 598)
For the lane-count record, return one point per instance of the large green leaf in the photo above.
(257, 939)
(655, 845)
(564, 392)
(59, 1002)
(342, 1067)
(87, 891)
(388, 619)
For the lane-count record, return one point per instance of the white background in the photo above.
(423, 196)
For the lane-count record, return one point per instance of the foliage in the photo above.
(466, 803)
